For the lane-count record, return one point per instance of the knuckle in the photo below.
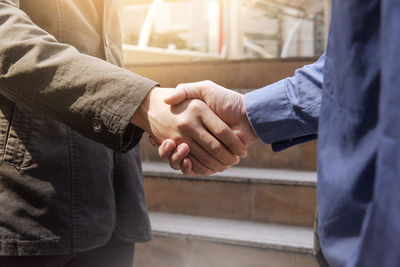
(181, 86)
(208, 82)
(196, 106)
(184, 124)
(221, 131)
(216, 149)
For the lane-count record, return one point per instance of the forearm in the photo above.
(56, 80)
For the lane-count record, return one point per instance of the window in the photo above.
(187, 30)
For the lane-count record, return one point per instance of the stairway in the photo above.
(259, 213)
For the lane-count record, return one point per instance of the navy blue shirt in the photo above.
(350, 100)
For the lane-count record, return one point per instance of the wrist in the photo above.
(243, 112)
(251, 134)
(140, 117)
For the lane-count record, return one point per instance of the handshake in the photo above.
(200, 128)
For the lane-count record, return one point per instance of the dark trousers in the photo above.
(113, 254)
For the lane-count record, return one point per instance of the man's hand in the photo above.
(227, 104)
(176, 155)
(193, 123)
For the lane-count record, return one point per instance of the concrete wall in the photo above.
(236, 74)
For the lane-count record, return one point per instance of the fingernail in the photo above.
(180, 147)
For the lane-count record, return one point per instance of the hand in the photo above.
(191, 122)
(227, 104)
(176, 155)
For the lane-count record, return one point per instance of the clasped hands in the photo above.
(200, 128)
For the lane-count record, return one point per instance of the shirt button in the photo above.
(97, 126)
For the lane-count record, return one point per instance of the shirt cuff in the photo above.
(272, 118)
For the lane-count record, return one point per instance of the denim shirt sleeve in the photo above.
(286, 113)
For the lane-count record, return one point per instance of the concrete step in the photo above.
(191, 241)
(260, 195)
(260, 155)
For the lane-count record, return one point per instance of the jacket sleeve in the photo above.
(93, 97)
(286, 113)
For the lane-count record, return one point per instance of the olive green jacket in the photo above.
(65, 107)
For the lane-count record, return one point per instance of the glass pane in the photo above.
(186, 30)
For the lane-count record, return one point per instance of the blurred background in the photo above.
(184, 30)
(261, 212)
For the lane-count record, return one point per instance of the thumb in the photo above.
(183, 92)
(178, 96)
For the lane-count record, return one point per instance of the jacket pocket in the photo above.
(18, 137)
(6, 112)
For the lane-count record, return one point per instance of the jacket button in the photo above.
(97, 126)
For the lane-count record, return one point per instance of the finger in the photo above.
(226, 136)
(206, 159)
(186, 91)
(178, 156)
(166, 149)
(178, 96)
(187, 168)
(210, 143)
(215, 148)
(203, 145)
(199, 168)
